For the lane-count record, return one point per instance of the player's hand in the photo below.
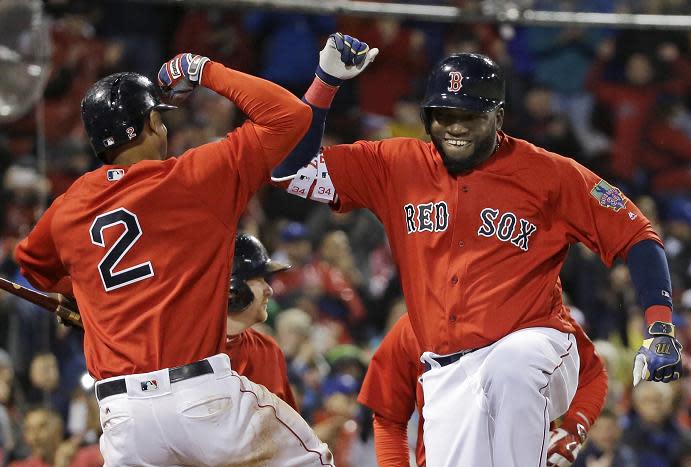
(659, 358)
(343, 57)
(564, 446)
(180, 75)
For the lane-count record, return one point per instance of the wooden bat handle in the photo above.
(44, 301)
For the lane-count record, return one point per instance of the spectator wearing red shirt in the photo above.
(632, 101)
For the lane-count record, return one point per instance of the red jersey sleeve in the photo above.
(592, 384)
(235, 167)
(258, 357)
(394, 364)
(38, 258)
(391, 442)
(598, 214)
(286, 393)
(360, 174)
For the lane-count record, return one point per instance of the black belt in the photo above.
(448, 359)
(179, 373)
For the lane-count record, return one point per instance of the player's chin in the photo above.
(456, 165)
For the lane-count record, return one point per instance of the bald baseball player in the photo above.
(138, 243)
(480, 224)
(255, 355)
(396, 364)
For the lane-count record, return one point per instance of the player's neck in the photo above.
(140, 151)
(235, 327)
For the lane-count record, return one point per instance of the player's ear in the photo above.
(155, 122)
(499, 118)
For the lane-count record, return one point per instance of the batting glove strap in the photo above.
(659, 358)
(327, 78)
(563, 447)
(660, 328)
(343, 57)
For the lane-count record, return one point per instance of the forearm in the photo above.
(281, 118)
(319, 97)
(587, 404)
(390, 442)
(650, 275)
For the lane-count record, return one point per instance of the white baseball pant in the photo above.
(493, 407)
(215, 419)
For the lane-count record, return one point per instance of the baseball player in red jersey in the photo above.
(479, 224)
(138, 242)
(255, 355)
(396, 363)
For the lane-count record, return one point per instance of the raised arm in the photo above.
(278, 117)
(343, 57)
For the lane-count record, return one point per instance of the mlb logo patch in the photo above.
(608, 196)
(150, 385)
(115, 174)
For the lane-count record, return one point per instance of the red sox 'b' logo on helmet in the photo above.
(455, 78)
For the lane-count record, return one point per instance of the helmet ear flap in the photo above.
(241, 295)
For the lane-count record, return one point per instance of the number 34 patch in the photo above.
(313, 180)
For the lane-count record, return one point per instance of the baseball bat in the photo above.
(51, 304)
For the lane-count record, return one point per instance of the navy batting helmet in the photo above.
(114, 109)
(251, 260)
(464, 81)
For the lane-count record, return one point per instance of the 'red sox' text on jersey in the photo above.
(512, 220)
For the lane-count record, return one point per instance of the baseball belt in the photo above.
(449, 359)
(179, 373)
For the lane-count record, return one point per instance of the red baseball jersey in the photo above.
(148, 247)
(396, 364)
(258, 357)
(479, 254)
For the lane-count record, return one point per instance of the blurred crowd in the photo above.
(616, 100)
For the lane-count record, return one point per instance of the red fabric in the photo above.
(458, 269)
(391, 76)
(320, 94)
(30, 462)
(592, 386)
(632, 108)
(391, 443)
(396, 364)
(658, 313)
(216, 33)
(319, 277)
(187, 209)
(667, 156)
(88, 456)
(258, 357)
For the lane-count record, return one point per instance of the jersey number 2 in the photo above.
(113, 280)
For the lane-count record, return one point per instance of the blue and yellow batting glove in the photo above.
(343, 57)
(659, 358)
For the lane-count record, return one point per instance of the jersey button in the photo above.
(454, 280)
(452, 318)
(461, 243)
(464, 188)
